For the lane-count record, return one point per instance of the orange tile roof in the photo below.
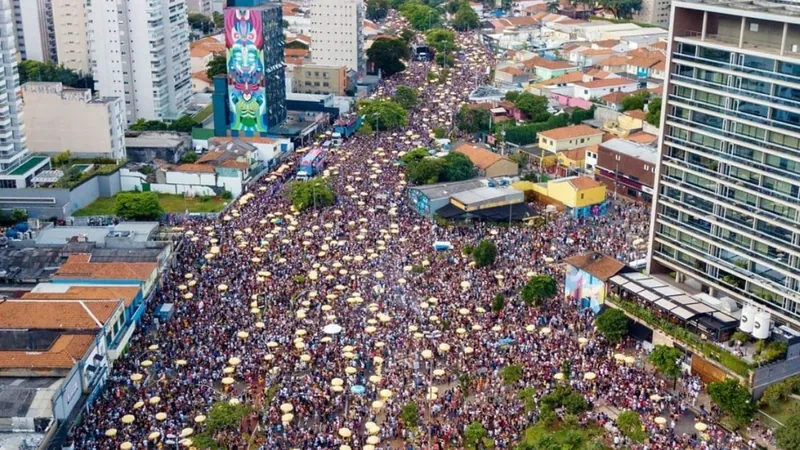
(554, 65)
(576, 154)
(56, 314)
(597, 52)
(482, 158)
(194, 168)
(206, 46)
(642, 137)
(571, 132)
(511, 70)
(294, 60)
(297, 52)
(583, 183)
(608, 82)
(614, 97)
(302, 38)
(600, 266)
(63, 354)
(570, 77)
(608, 43)
(599, 74)
(660, 45)
(523, 21)
(615, 61)
(636, 114)
(125, 293)
(644, 62)
(210, 156)
(78, 265)
(231, 164)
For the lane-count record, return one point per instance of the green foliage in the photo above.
(511, 374)
(426, 171)
(528, 396)
(297, 44)
(146, 170)
(30, 70)
(623, 9)
(445, 59)
(138, 206)
(630, 425)
(634, 101)
(466, 18)
(498, 303)
(566, 367)
(377, 9)
(578, 115)
(415, 156)
(365, 130)
(613, 323)
(573, 439)
(19, 215)
(473, 120)
(227, 195)
(534, 106)
(61, 158)
(654, 111)
(775, 394)
(457, 167)
(189, 158)
(473, 435)
(422, 17)
(406, 97)
(526, 134)
(218, 19)
(740, 336)
(772, 351)
(565, 397)
(788, 436)
(485, 253)
(665, 359)
(537, 289)
(439, 133)
(224, 417)
(441, 40)
(407, 35)
(387, 55)
(148, 125)
(383, 115)
(184, 124)
(521, 158)
(465, 383)
(217, 66)
(734, 401)
(312, 193)
(467, 249)
(200, 22)
(409, 415)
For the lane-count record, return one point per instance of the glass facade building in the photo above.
(726, 218)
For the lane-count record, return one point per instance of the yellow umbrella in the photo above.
(138, 405)
(154, 400)
(700, 426)
(385, 393)
(161, 416)
(337, 382)
(128, 419)
(228, 381)
(126, 446)
(111, 432)
(345, 432)
(137, 377)
(200, 419)
(153, 436)
(146, 363)
(186, 432)
(287, 407)
(589, 376)
(286, 418)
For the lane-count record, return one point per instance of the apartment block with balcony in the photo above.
(726, 217)
(337, 37)
(315, 79)
(71, 34)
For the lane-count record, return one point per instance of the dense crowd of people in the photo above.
(257, 294)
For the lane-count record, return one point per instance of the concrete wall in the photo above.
(773, 373)
(571, 101)
(46, 202)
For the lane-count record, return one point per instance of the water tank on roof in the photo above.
(12, 233)
(22, 227)
(748, 317)
(761, 325)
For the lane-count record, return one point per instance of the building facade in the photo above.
(337, 33)
(726, 217)
(71, 34)
(627, 168)
(140, 52)
(205, 7)
(62, 119)
(654, 12)
(256, 82)
(34, 29)
(314, 79)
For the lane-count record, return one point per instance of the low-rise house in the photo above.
(598, 88)
(567, 138)
(545, 69)
(488, 163)
(201, 52)
(627, 168)
(511, 75)
(582, 196)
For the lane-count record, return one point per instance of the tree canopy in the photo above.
(634, 101)
(406, 97)
(422, 169)
(734, 400)
(622, 9)
(654, 112)
(484, 253)
(315, 192)
(421, 16)
(201, 22)
(474, 435)
(383, 115)
(388, 54)
(217, 66)
(511, 374)
(537, 289)
(377, 9)
(630, 425)
(613, 323)
(527, 134)
(425, 171)
(414, 156)
(666, 360)
(409, 415)
(466, 18)
(138, 206)
(185, 124)
(30, 70)
(441, 39)
(534, 106)
(224, 416)
(473, 120)
(457, 167)
(788, 436)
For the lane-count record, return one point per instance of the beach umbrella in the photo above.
(286, 418)
(162, 416)
(138, 405)
(111, 432)
(345, 432)
(200, 418)
(136, 377)
(186, 432)
(128, 419)
(227, 381)
(287, 407)
(153, 436)
(154, 400)
(126, 446)
(589, 376)
(701, 427)
(146, 363)
(385, 393)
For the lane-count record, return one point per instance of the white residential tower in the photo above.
(337, 37)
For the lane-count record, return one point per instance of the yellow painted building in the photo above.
(567, 138)
(579, 194)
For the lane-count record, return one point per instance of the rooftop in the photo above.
(26, 397)
(58, 236)
(481, 157)
(63, 354)
(485, 194)
(32, 162)
(643, 152)
(445, 190)
(570, 132)
(80, 266)
(608, 82)
(66, 315)
(58, 291)
(153, 139)
(596, 264)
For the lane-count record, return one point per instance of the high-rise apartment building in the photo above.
(139, 50)
(33, 23)
(337, 37)
(71, 34)
(726, 215)
(654, 12)
(204, 7)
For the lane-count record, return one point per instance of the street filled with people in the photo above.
(330, 321)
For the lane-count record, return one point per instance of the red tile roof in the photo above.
(597, 265)
(79, 266)
(63, 354)
(194, 168)
(571, 132)
(482, 158)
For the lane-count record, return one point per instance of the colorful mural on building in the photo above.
(584, 290)
(244, 41)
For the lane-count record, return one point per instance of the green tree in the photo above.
(622, 9)
(425, 171)
(466, 18)
(311, 193)
(453, 6)
(630, 425)
(734, 401)
(422, 17)
(613, 323)
(217, 66)
(184, 125)
(406, 97)
(409, 415)
(387, 55)
(788, 436)
(534, 106)
(665, 359)
(62, 158)
(189, 158)
(218, 19)
(441, 39)
(457, 167)
(499, 302)
(19, 215)
(578, 115)
(383, 115)
(473, 120)
(377, 9)
(365, 130)
(439, 133)
(511, 374)
(474, 435)
(634, 101)
(31, 70)
(415, 156)
(297, 44)
(528, 397)
(149, 125)
(485, 253)
(224, 417)
(538, 288)
(654, 111)
(200, 22)
(138, 206)
(407, 35)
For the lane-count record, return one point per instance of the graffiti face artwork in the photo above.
(244, 42)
